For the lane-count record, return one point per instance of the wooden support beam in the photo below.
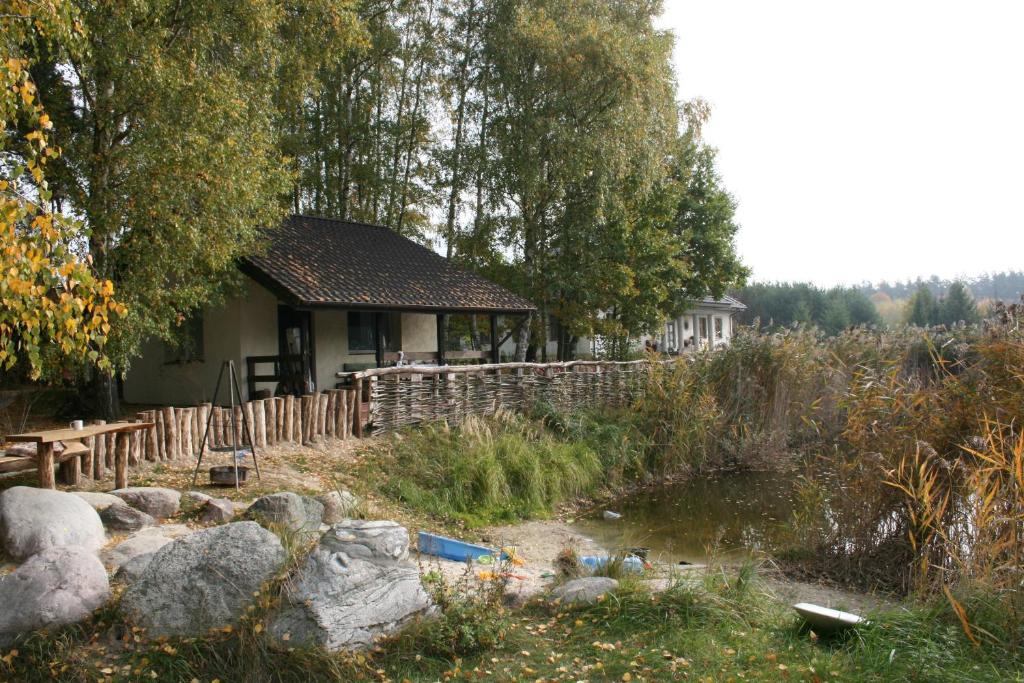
(44, 453)
(378, 339)
(442, 337)
(495, 349)
(70, 470)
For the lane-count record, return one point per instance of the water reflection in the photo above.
(732, 513)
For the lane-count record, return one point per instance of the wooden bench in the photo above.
(70, 459)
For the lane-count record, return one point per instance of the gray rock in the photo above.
(585, 590)
(314, 512)
(33, 520)
(125, 518)
(217, 511)
(153, 500)
(144, 542)
(338, 505)
(204, 580)
(197, 498)
(131, 570)
(356, 585)
(98, 501)
(55, 587)
(286, 508)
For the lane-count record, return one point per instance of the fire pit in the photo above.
(224, 475)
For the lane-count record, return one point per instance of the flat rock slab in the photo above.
(143, 542)
(55, 587)
(33, 520)
(356, 585)
(585, 590)
(153, 500)
(204, 580)
(125, 518)
(98, 501)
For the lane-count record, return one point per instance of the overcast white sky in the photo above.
(864, 140)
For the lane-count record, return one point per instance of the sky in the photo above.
(863, 140)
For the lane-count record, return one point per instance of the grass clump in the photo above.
(485, 471)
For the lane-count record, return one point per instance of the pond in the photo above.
(726, 515)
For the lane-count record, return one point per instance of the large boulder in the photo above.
(289, 509)
(98, 501)
(144, 542)
(33, 520)
(125, 518)
(338, 505)
(153, 500)
(356, 585)
(585, 590)
(204, 580)
(55, 587)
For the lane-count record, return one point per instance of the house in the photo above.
(328, 296)
(710, 323)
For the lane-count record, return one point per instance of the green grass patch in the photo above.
(486, 471)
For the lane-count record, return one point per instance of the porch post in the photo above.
(442, 340)
(378, 342)
(495, 351)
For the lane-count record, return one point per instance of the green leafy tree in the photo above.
(172, 118)
(922, 309)
(54, 312)
(958, 305)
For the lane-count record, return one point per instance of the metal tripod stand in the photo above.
(233, 392)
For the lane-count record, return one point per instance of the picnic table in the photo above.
(74, 449)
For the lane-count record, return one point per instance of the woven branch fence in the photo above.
(402, 396)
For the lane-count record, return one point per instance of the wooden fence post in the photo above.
(110, 450)
(70, 471)
(152, 438)
(357, 424)
(121, 462)
(271, 419)
(87, 458)
(297, 426)
(321, 415)
(306, 434)
(161, 435)
(135, 446)
(189, 448)
(259, 410)
(330, 421)
(170, 434)
(99, 459)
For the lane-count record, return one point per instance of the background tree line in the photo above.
(785, 304)
(1005, 286)
(537, 141)
(833, 310)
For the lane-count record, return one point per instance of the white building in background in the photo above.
(709, 324)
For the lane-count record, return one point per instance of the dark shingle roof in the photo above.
(725, 302)
(326, 262)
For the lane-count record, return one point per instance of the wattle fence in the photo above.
(409, 395)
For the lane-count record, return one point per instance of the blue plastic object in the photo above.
(630, 562)
(452, 549)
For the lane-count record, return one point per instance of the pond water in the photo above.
(727, 515)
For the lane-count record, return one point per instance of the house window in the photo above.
(361, 327)
(703, 328)
(718, 327)
(686, 324)
(670, 335)
(187, 346)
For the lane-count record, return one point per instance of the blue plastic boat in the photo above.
(452, 549)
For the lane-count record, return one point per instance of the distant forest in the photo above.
(920, 302)
(1008, 286)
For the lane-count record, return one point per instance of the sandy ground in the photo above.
(537, 545)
